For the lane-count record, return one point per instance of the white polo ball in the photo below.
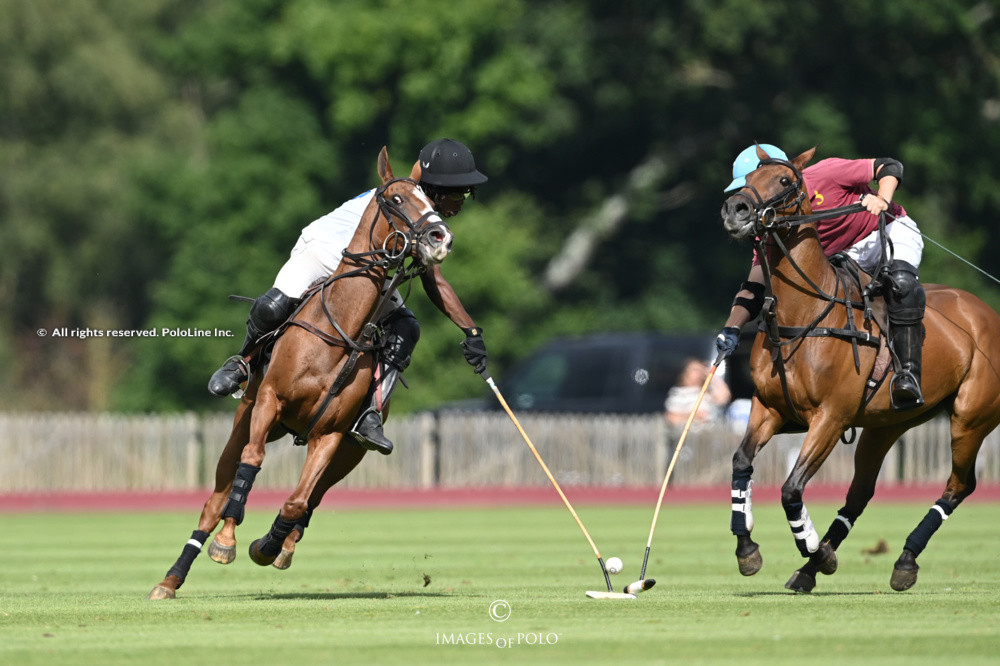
(614, 565)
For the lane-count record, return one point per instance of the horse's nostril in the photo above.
(437, 236)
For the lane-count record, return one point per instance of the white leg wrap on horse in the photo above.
(944, 516)
(743, 503)
(845, 521)
(804, 531)
(194, 542)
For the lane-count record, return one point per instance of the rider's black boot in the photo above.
(907, 341)
(368, 429)
(266, 314)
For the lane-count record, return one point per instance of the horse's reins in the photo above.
(767, 223)
(385, 258)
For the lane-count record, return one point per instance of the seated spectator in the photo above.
(683, 396)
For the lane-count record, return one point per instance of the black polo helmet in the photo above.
(449, 163)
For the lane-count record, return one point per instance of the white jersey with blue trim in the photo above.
(321, 246)
(338, 226)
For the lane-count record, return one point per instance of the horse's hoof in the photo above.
(903, 578)
(904, 571)
(750, 563)
(825, 559)
(221, 554)
(284, 559)
(161, 592)
(259, 557)
(801, 582)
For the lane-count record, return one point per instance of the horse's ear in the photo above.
(384, 169)
(805, 158)
(417, 172)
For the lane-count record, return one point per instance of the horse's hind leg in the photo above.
(344, 460)
(872, 447)
(265, 550)
(962, 482)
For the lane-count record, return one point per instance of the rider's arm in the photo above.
(888, 173)
(740, 314)
(445, 298)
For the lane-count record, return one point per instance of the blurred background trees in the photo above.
(158, 156)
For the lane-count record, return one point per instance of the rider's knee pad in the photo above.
(271, 310)
(905, 295)
(402, 331)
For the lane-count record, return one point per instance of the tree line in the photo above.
(156, 157)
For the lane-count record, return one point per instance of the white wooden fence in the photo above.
(118, 452)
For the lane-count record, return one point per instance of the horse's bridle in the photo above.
(788, 199)
(399, 243)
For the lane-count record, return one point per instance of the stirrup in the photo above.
(244, 365)
(909, 401)
(384, 447)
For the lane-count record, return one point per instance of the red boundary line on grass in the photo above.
(402, 498)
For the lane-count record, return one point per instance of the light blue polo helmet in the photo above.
(747, 161)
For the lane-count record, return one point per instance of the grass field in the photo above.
(416, 587)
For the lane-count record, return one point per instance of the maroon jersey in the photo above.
(836, 182)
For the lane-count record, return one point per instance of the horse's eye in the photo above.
(396, 199)
(785, 181)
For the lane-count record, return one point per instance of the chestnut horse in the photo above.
(320, 371)
(816, 365)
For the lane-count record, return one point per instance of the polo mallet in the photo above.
(643, 583)
(610, 594)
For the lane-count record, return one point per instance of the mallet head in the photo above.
(640, 586)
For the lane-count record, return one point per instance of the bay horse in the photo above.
(320, 370)
(816, 364)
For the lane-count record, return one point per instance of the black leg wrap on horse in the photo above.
(919, 537)
(839, 529)
(245, 474)
(191, 550)
(302, 523)
(270, 545)
(741, 502)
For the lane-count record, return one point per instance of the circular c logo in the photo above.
(499, 611)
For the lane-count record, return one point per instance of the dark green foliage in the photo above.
(156, 157)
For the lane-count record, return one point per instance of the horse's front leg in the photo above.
(257, 434)
(345, 458)
(819, 443)
(212, 510)
(265, 550)
(761, 427)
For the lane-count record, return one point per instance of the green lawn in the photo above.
(416, 586)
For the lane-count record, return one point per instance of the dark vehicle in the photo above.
(623, 373)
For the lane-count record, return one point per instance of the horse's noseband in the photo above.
(416, 230)
(766, 211)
